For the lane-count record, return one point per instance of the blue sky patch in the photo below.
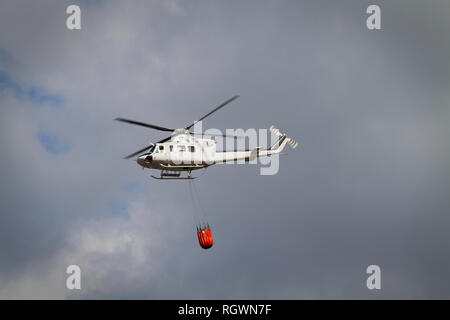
(132, 187)
(120, 204)
(118, 208)
(52, 143)
(33, 94)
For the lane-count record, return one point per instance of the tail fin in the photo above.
(282, 136)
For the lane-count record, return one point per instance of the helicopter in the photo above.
(182, 152)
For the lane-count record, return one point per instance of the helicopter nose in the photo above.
(144, 160)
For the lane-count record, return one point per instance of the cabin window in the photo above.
(171, 148)
(161, 148)
(181, 148)
(191, 148)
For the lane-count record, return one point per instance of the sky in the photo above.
(368, 184)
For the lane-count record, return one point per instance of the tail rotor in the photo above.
(292, 143)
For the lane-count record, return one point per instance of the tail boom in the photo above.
(251, 155)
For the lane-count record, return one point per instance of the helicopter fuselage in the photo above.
(182, 153)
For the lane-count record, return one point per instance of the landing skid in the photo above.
(182, 178)
(173, 175)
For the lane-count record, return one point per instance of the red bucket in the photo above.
(205, 238)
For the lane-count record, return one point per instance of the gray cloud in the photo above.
(368, 184)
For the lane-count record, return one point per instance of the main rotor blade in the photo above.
(165, 139)
(146, 148)
(145, 124)
(137, 152)
(208, 114)
(216, 135)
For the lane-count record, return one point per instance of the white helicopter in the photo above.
(182, 152)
